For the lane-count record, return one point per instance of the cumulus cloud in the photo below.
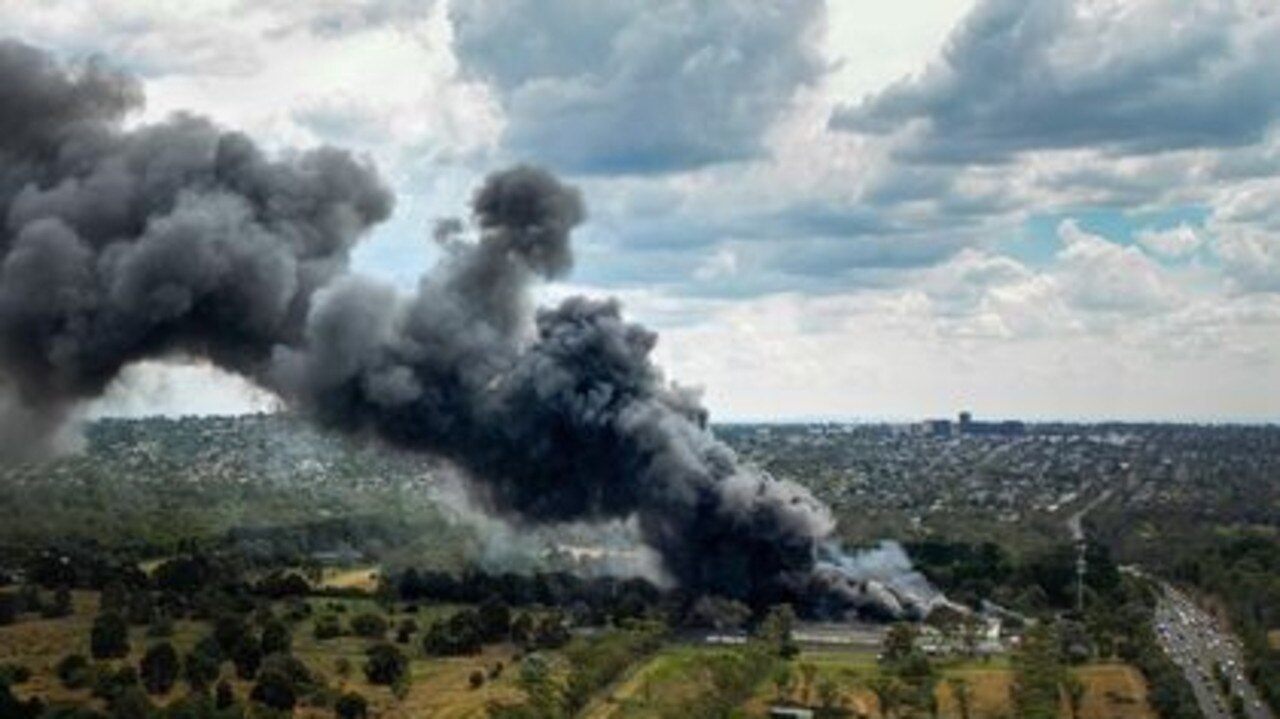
(347, 17)
(1245, 223)
(637, 86)
(979, 294)
(1127, 77)
(1250, 259)
(1172, 243)
(1101, 275)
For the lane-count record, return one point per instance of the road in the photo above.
(1198, 644)
(1075, 523)
(1195, 641)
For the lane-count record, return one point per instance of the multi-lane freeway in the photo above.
(1209, 656)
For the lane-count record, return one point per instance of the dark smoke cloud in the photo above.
(174, 238)
(183, 239)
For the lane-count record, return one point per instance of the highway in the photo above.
(1196, 642)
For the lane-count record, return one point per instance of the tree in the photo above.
(369, 625)
(13, 708)
(131, 704)
(552, 632)
(775, 631)
(228, 631)
(60, 606)
(495, 619)
(539, 686)
(327, 626)
(1075, 691)
(8, 608)
(405, 631)
(202, 665)
(962, 695)
(141, 608)
(1038, 673)
(459, 634)
(275, 689)
(161, 626)
(73, 671)
(781, 681)
(276, 637)
(113, 598)
(828, 697)
(109, 637)
(14, 673)
(223, 695)
(899, 643)
(290, 666)
(386, 664)
(247, 656)
(888, 693)
(522, 629)
(808, 671)
(200, 668)
(351, 706)
(109, 685)
(159, 668)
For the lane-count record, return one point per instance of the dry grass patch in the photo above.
(363, 578)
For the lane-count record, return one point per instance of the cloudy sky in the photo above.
(855, 209)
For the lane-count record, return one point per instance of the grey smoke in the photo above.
(177, 238)
(182, 239)
(589, 549)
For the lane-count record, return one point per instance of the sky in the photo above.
(838, 210)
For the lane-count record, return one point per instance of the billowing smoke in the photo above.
(182, 239)
(176, 238)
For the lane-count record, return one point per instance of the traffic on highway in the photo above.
(1210, 657)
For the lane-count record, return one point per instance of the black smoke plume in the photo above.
(182, 239)
(176, 238)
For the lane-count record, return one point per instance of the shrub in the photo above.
(11, 674)
(276, 637)
(351, 706)
(109, 637)
(200, 668)
(247, 656)
(159, 668)
(275, 690)
(60, 606)
(131, 704)
(386, 665)
(108, 685)
(73, 671)
(327, 626)
(369, 625)
(223, 696)
(457, 635)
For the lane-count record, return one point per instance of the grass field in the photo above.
(658, 687)
(440, 687)
(669, 679)
(1115, 691)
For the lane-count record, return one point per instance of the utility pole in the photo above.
(1080, 568)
